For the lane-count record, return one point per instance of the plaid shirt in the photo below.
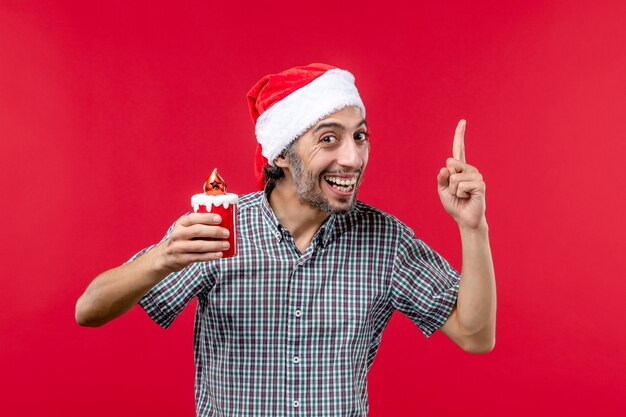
(279, 332)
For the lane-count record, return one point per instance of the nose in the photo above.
(351, 154)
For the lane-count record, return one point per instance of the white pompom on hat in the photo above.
(285, 105)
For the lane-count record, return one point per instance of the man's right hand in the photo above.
(196, 237)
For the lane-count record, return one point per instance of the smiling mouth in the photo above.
(341, 184)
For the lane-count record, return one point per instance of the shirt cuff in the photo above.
(156, 313)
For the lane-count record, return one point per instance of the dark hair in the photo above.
(273, 174)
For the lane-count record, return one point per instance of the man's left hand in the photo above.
(461, 187)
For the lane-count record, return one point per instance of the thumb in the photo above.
(443, 179)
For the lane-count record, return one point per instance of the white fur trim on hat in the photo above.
(287, 119)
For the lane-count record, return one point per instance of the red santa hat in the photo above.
(285, 105)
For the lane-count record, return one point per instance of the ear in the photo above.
(282, 161)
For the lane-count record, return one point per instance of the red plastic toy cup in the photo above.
(226, 206)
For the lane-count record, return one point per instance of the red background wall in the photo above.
(112, 115)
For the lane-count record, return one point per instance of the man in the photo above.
(293, 323)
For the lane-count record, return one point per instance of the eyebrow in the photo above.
(337, 125)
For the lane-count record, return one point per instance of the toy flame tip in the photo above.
(214, 184)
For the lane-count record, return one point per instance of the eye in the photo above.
(328, 139)
(361, 136)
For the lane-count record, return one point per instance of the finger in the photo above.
(443, 178)
(204, 246)
(203, 231)
(458, 145)
(201, 257)
(456, 179)
(467, 188)
(455, 166)
(199, 218)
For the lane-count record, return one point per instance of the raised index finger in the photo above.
(458, 146)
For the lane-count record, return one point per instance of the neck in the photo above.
(302, 220)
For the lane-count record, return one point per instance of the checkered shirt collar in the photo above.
(334, 226)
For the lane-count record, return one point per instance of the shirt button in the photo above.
(296, 359)
(296, 404)
(298, 313)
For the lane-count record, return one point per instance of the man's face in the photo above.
(327, 162)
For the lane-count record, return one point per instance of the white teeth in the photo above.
(343, 189)
(341, 181)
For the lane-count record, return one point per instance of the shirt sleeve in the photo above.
(424, 285)
(168, 298)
